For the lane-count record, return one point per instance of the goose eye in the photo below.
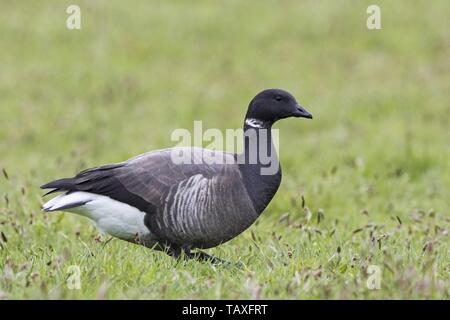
(278, 98)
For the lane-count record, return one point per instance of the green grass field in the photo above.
(373, 166)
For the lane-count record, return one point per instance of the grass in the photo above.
(374, 164)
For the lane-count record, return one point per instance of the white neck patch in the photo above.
(254, 123)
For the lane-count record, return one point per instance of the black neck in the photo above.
(259, 164)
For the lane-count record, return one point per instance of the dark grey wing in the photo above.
(142, 180)
(151, 175)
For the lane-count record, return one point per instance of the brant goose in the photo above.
(175, 207)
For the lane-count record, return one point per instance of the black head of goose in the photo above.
(178, 206)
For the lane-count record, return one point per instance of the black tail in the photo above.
(104, 180)
(82, 181)
(59, 185)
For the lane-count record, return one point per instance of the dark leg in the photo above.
(203, 256)
(176, 253)
(186, 253)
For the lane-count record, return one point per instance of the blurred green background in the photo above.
(376, 157)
